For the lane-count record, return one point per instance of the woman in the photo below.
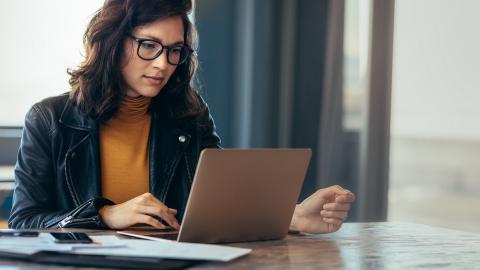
(121, 147)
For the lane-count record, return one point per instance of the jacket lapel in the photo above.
(167, 148)
(82, 160)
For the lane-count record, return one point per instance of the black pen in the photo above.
(15, 233)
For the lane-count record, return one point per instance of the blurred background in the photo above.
(383, 91)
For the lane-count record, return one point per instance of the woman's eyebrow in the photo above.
(146, 36)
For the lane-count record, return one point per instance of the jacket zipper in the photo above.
(69, 219)
(64, 222)
(72, 221)
(68, 177)
(68, 180)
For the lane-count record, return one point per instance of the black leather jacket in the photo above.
(57, 175)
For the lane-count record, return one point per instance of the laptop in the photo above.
(242, 195)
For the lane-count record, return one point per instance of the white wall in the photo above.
(39, 41)
(436, 82)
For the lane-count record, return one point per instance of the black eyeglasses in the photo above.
(149, 49)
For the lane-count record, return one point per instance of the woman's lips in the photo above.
(154, 80)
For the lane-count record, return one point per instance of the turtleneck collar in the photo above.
(133, 109)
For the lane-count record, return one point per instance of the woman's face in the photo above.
(148, 77)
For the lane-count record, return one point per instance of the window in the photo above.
(356, 63)
(435, 143)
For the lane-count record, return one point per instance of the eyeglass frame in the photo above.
(167, 48)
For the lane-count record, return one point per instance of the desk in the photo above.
(356, 246)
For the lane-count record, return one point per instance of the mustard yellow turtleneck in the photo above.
(124, 151)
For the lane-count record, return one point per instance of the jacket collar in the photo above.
(73, 118)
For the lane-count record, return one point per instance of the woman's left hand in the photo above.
(323, 212)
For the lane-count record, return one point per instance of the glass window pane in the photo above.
(435, 142)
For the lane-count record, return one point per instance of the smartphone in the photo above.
(71, 238)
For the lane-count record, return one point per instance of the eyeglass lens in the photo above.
(149, 50)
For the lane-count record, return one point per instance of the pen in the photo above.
(18, 234)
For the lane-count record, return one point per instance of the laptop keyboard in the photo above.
(170, 236)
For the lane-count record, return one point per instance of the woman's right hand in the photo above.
(142, 209)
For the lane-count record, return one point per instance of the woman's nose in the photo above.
(161, 61)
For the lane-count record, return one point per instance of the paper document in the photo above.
(170, 250)
(30, 245)
(112, 245)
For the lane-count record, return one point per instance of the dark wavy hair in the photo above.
(97, 86)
